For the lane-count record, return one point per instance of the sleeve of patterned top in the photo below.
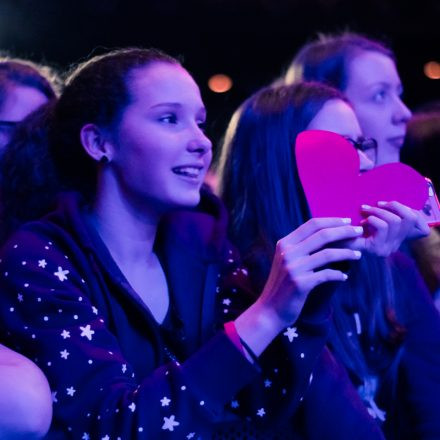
(47, 315)
(419, 365)
(287, 364)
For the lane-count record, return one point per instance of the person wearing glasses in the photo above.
(365, 71)
(385, 331)
(25, 399)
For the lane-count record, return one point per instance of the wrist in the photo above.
(258, 326)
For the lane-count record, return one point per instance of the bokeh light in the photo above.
(432, 70)
(220, 83)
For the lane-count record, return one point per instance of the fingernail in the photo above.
(365, 206)
(382, 203)
(346, 220)
(357, 254)
(358, 229)
(344, 276)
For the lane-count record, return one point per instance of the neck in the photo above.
(127, 231)
(391, 156)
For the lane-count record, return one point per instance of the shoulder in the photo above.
(27, 395)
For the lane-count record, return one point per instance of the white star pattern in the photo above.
(234, 404)
(291, 333)
(227, 302)
(165, 401)
(70, 391)
(132, 407)
(42, 263)
(87, 332)
(85, 436)
(124, 368)
(65, 334)
(267, 383)
(261, 412)
(20, 297)
(106, 438)
(54, 396)
(94, 310)
(61, 274)
(170, 422)
(190, 435)
(64, 354)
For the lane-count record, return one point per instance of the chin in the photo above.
(188, 200)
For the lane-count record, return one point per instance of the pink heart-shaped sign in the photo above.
(328, 167)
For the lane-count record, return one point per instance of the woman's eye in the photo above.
(169, 119)
(380, 96)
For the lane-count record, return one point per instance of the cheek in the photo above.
(372, 121)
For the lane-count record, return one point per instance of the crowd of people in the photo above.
(137, 303)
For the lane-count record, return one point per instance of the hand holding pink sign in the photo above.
(328, 166)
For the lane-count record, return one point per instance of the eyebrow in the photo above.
(167, 104)
(386, 85)
(176, 105)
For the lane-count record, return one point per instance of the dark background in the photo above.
(250, 40)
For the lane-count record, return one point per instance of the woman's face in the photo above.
(374, 89)
(160, 152)
(337, 116)
(19, 102)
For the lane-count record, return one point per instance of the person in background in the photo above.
(129, 295)
(422, 152)
(386, 331)
(24, 86)
(25, 399)
(365, 71)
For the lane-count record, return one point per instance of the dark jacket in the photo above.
(114, 372)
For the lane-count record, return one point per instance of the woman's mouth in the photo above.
(190, 171)
(396, 141)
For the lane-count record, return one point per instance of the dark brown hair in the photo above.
(326, 59)
(95, 92)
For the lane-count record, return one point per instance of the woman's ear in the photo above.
(95, 142)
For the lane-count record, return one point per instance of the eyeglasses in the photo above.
(363, 144)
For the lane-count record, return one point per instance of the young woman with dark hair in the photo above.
(385, 329)
(365, 71)
(121, 293)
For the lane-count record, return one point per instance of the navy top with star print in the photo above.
(113, 372)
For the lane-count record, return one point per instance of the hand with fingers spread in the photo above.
(297, 268)
(387, 226)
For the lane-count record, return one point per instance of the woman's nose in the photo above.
(200, 143)
(401, 113)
